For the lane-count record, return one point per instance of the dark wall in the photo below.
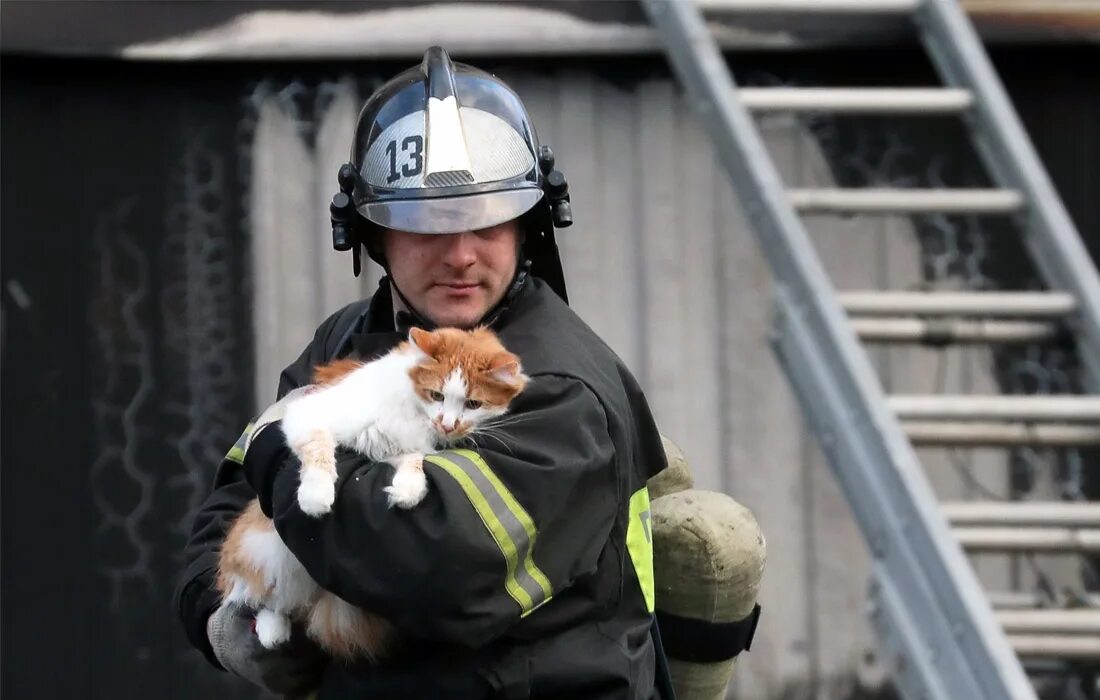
(125, 364)
(126, 349)
(1058, 99)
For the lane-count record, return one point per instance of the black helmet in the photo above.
(444, 148)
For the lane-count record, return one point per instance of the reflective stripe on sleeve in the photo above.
(236, 453)
(505, 519)
(639, 542)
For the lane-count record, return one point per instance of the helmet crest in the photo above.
(447, 162)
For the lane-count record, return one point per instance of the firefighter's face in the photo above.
(453, 279)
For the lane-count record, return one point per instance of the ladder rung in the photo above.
(863, 7)
(1015, 513)
(983, 408)
(989, 304)
(1068, 621)
(896, 200)
(1049, 645)
(1029, 539)
(946, 331)
(1017, 600)
(1001, 434)
(857, 100)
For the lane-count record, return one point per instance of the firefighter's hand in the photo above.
(294, 668)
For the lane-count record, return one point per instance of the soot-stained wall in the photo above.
(126, 364)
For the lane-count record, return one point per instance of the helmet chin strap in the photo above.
(410, 317)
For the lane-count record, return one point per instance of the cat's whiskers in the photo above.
(488, 432)
(507, 421)
(466, 441)
(495, 428)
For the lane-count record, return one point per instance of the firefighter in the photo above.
(527, 570)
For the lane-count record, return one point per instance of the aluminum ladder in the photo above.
(927, 605)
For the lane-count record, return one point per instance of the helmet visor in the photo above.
(470, 212)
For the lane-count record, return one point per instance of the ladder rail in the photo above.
(1012, 162)
(954, 641)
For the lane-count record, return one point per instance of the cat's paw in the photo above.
(409, 485)
(272, 629)
(316, 493)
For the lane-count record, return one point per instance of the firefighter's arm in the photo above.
(195, 597)
(502, 529)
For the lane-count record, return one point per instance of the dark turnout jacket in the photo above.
(526, 572)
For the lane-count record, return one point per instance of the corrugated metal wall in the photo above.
(662, 264)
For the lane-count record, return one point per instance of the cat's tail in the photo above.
(347, 632)
(241, 577)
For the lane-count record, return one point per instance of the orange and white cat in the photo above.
(431, 391)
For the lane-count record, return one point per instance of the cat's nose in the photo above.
(447, 429)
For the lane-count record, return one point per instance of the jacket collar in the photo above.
(382, 328)
(377, 334)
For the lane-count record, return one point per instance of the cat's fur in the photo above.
(387, 410)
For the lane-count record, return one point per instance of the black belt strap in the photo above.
(689, 639)
(662, 673)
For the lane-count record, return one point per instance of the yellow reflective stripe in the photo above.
(520, 514)
(639, 542)
(236, 453)
(492, 524)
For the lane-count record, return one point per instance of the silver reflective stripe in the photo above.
(506, 520)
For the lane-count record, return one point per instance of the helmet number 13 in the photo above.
(414, 161)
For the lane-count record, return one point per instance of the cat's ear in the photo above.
(422, 340)
(505, 368)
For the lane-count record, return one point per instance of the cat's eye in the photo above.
(435, 396)
(473, 404)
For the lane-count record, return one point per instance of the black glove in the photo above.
(292, 669)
